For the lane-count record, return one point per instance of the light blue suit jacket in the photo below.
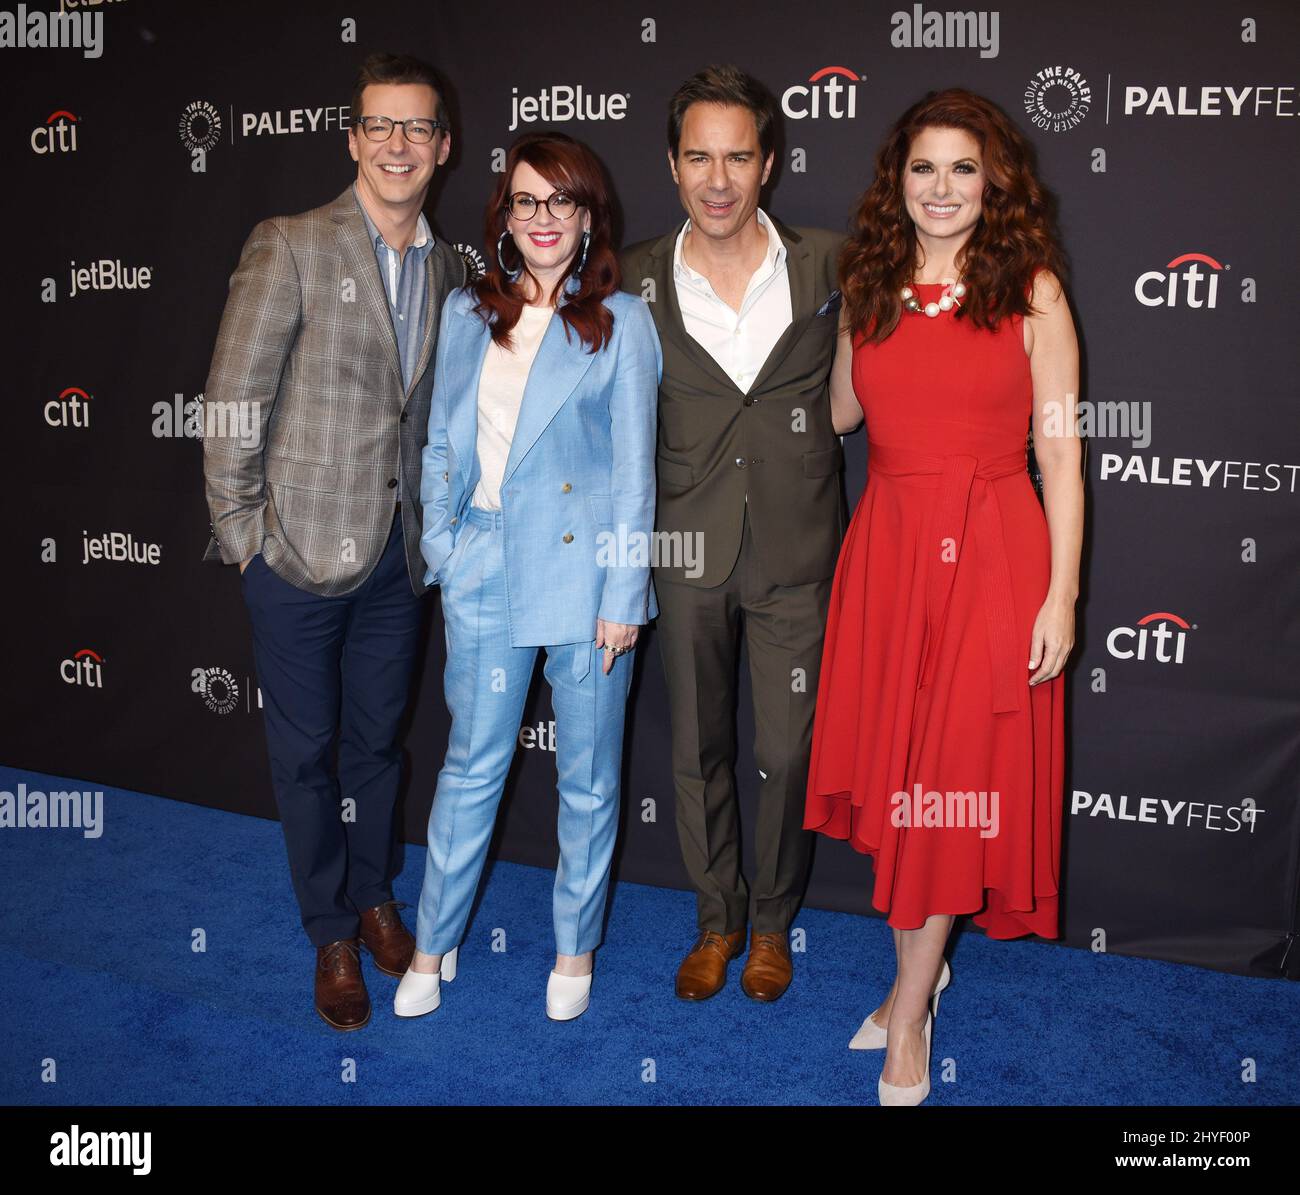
(578, 493)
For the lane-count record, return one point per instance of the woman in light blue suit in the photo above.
(538, 493)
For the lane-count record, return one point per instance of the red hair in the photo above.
(568, 166)
(1013, 239)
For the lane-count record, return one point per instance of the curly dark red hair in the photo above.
(1014, 238)
(568, 166)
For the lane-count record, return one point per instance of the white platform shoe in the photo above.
(871, 1036)
(567, 996)
(418, 994)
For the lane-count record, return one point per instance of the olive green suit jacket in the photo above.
(771, 448)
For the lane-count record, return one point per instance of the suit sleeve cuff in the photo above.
(240, 539)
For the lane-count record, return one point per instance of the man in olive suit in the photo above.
(749, 469)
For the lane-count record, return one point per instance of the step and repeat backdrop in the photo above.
(144, 140)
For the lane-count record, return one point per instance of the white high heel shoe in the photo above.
(419, 993)
(897, 1097)
(871, 1036)
(567, 996)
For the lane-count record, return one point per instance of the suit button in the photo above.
(445, 476)
(749, 402)
(392, 483)
(404, 416)
(741, 462)
(568, 537)
(565, 488)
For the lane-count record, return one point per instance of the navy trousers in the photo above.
(335, 672)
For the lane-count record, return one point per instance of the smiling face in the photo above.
(395, 174)
(719, 168)
(943, 184)
(547, 244)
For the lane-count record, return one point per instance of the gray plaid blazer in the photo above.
(309, 437)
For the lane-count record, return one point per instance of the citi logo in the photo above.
(825, 94)
(58, 135)
(561, 102)
(1151, 639)
(85, 668)
(1161, 288)
(70, 409)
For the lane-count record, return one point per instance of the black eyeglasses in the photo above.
(418, 130)
(523, 206)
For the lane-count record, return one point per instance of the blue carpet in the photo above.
(98, 973)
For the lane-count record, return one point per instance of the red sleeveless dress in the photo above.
(931, 752)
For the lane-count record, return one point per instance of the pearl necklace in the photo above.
(951, 297)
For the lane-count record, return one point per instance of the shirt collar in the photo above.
(773, 260)
(423, 234)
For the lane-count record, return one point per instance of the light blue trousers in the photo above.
(486, 682)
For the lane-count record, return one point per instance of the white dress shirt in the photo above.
(500, 395)
(738, 341)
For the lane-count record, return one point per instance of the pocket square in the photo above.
(831, 304)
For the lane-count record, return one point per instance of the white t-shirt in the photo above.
(500, 395)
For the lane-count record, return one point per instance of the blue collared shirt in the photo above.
(404, 284)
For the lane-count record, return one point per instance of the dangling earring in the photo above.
(582, 257)
(512, 275)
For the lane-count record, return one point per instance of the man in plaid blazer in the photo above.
(326, 350)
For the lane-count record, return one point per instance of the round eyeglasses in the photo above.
(523, 206)
(418, 130)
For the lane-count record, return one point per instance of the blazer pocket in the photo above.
(602, 509)
(674, 475)
(824, 462)
(302, 475)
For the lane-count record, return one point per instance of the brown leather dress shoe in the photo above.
(384, 935)
(341, 996)
(768, 970)
(704, 970)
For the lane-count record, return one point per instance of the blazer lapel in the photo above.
(674, 326)
(433, 271)
(466, 349)
(799, 269)
(556, 371)
(359, 260)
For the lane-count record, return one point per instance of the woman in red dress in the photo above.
(938, 744)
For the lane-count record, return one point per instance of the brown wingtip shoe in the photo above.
(387, 939)
(769, 969)
(704, 969)
(341, 996)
